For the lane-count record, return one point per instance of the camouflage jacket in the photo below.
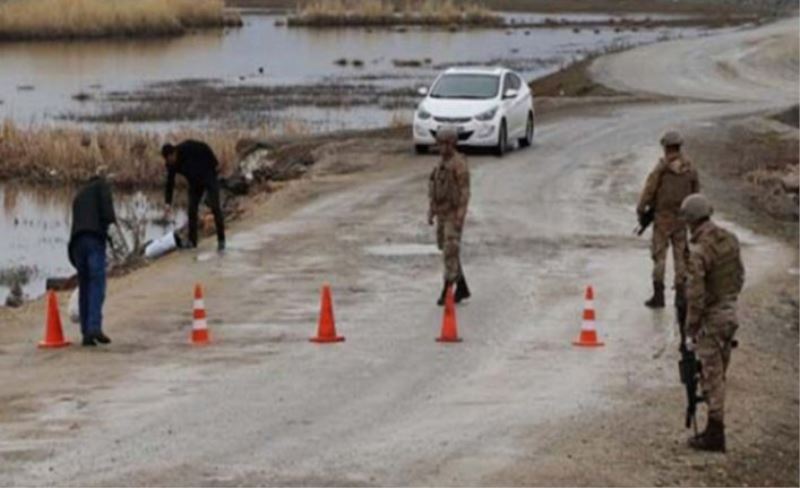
(666, 188)
(716, 277)
(449, 188)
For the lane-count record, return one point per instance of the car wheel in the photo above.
(421, 149)
(502, 141)
(528, 139)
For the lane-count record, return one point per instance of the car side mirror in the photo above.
(510, 93)
(423, 91)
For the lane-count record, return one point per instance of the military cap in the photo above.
(672, 138)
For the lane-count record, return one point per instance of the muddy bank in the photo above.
(582, 6)
(621, 24)
(253, 105)
(572, 81)
(750, 166)
(445, 14)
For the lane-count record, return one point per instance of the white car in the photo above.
(489, 107)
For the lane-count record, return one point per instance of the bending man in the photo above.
(198, 164)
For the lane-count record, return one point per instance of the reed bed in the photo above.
(344, 13)
(79, 19)
(71, 155)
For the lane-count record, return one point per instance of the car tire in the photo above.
(529, 132)
(421, 149)
(502, 141)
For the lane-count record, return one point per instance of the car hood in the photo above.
(445, 107)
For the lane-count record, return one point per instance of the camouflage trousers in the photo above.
(663, 237)
(714, 344)
(448, 238)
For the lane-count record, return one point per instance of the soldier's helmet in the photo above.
(696, 207)
(447, 135)
(672, 138)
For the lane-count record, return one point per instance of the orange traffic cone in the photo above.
(200, 334)
(449, 322)
(53, 333)
(326, 330)
(588, 337)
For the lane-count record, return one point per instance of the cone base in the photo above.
(200, 338)
(449, 339)
(588, 344)
(46, 345)
(326, 340)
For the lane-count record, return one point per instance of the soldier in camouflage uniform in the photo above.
(716, 277)
(448, 193)
(672, 180)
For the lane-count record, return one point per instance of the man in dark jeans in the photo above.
(198, 164)
(92, 214)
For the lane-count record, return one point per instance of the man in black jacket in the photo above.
(92, 214)
(198, 164)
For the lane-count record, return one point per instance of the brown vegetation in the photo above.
(709, 7)
(341, 13)
(72, 19)
(49, 155)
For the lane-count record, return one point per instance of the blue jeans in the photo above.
(90, 259)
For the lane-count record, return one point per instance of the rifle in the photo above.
(689, 366)
(645, 220)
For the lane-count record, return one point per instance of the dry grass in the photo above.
(65, 19)
(50, 155)
(332, 13)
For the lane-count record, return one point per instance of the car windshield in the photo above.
(475, 87)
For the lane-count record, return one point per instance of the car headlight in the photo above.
(423, 114)
(488, 115)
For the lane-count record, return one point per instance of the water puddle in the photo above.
(402, 250)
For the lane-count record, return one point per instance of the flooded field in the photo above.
(243, 75)
(35, 226)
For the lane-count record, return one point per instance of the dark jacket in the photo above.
(197, 162)
(92, 212)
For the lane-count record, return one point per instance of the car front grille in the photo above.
(462, 136)
(452, 120)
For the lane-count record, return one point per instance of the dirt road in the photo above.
(513, 404)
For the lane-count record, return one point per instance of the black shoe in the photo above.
(462, 290)
(88, 342)
(102, 338)
(221, 246)
(188, 246)
(712, 439)
(657, 300)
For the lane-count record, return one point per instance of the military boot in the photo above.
(680, 294)
(712, 439)
(657, 300)
(462, 290)
(443, 297)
